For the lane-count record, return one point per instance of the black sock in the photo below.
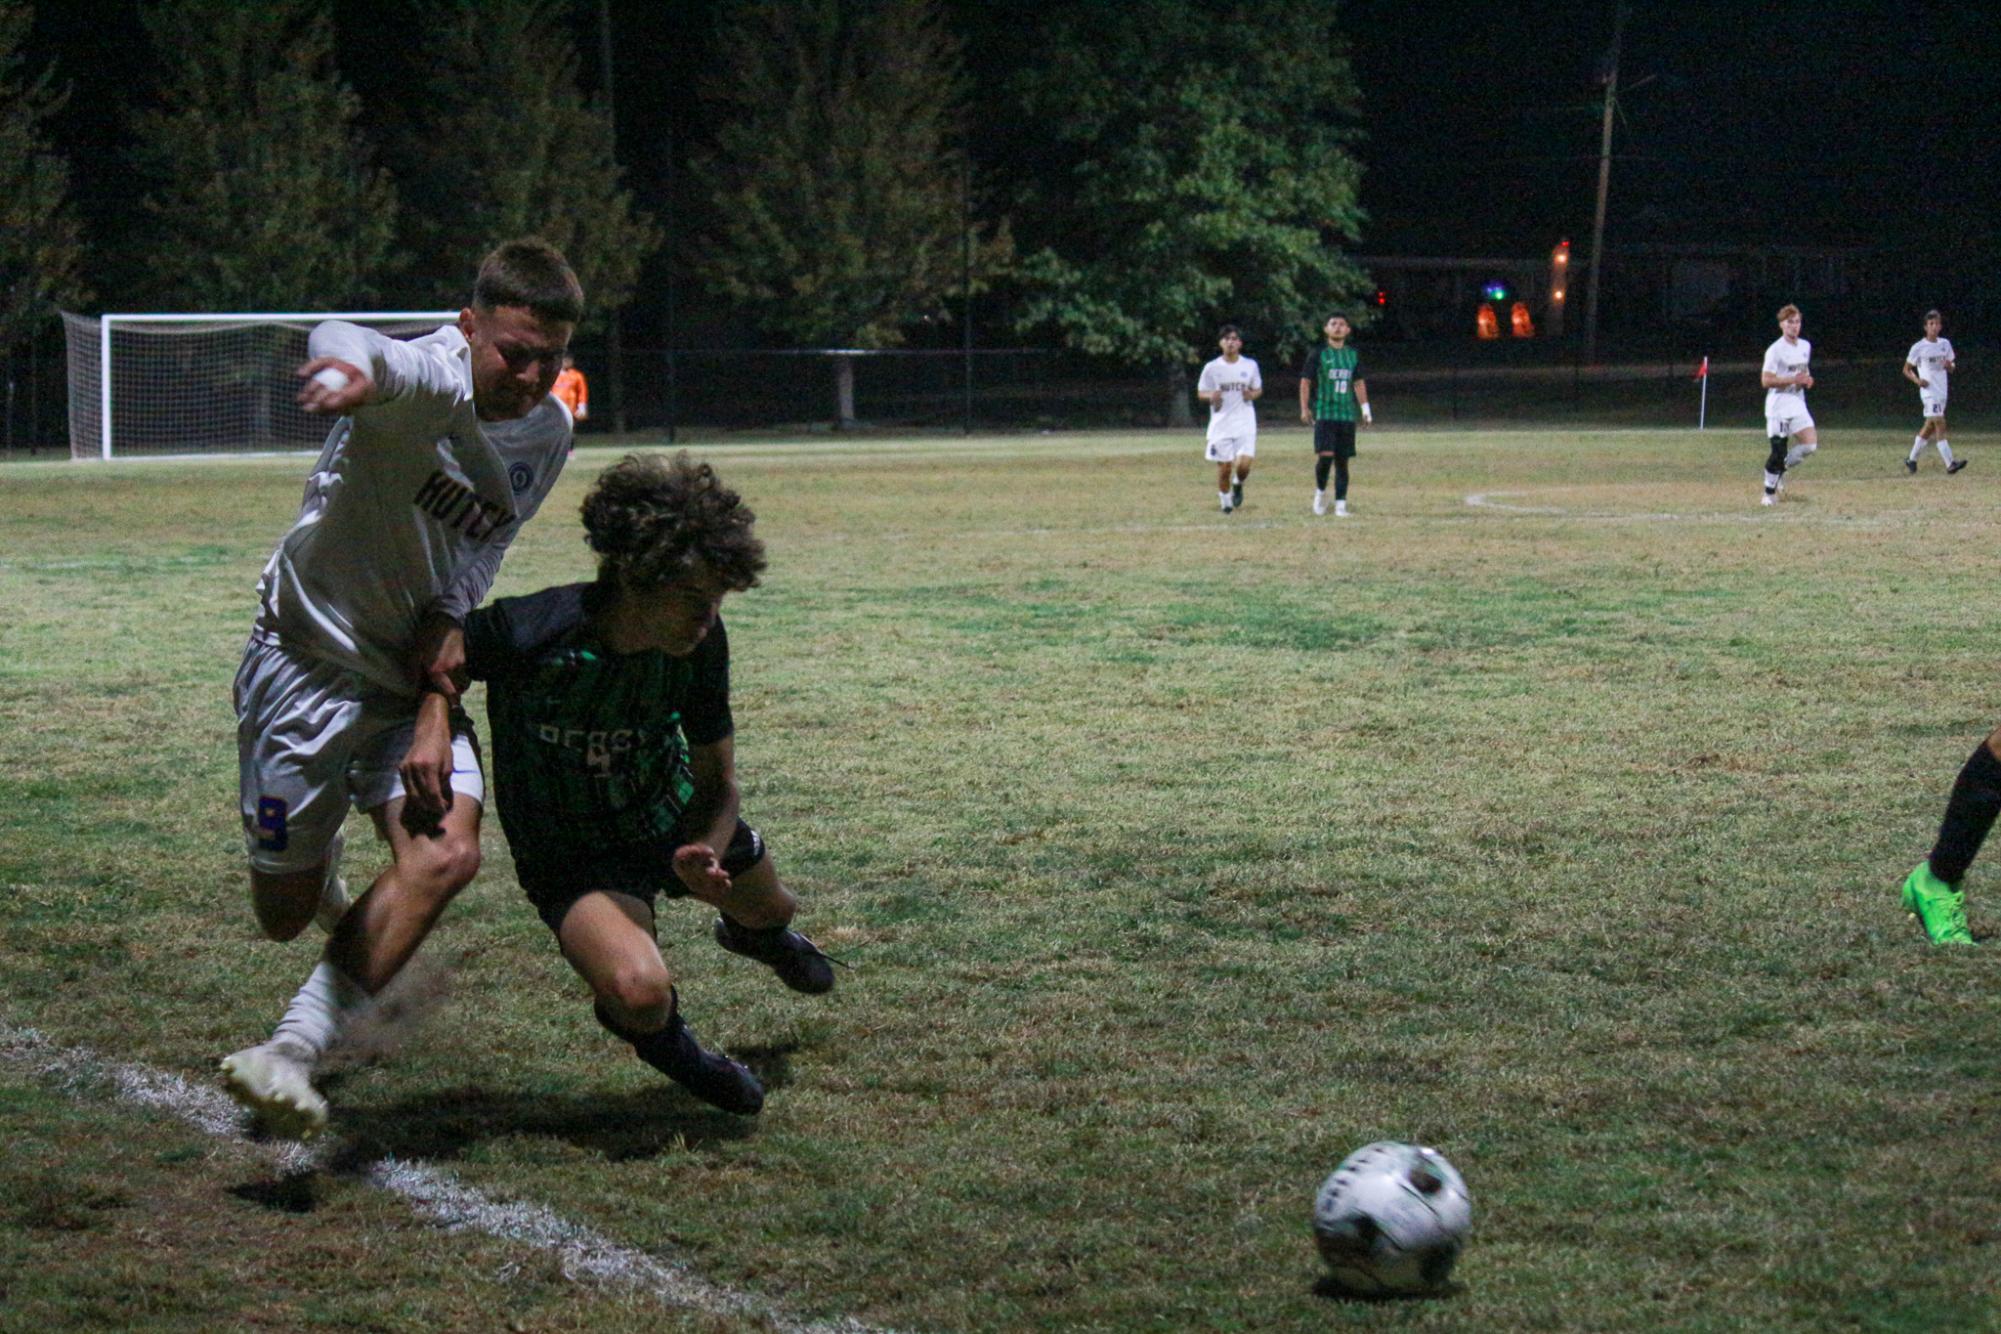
(1969, 814)
(1320, 468)
(1340, 479)
(756, 936)
(1776, 462)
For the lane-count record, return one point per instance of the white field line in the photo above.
(432, 1194)
(1752, 513)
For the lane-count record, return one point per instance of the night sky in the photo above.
(1826, 124)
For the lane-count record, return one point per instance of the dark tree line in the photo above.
(1121, 184)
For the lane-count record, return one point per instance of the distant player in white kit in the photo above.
(444, 447)
(1930, 366)
(1786, 379)
(1230, 385)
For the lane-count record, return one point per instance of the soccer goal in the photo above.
(200, 384)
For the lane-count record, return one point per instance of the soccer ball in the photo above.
(1391, 1220)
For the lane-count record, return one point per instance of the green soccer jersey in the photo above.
(590, 747)
(1333, 372)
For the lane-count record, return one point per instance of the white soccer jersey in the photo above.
(410, 506)
(1238, 417)
(1929, 356)
(1786, 358)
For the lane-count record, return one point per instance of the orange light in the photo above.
(1557, 295)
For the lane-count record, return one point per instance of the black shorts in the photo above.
(1336, 438)
(645, 872)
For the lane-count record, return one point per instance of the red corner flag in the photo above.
(1702, 371)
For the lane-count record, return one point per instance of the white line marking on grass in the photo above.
(1753, 513)
(434, 1195)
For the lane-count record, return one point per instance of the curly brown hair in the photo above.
(656, 521)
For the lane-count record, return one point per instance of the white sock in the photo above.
(1771, 482)
(1797, 455)
(1918, 447)
(1320, 496)
(327, 1001)
(1223, 497)
(1945, 450)
(1340, 507)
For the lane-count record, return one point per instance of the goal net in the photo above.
(200, 384)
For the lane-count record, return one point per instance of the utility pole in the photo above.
(614, 342)
(966, 277)
(1604, 183)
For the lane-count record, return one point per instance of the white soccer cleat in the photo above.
(1767, 499)
(275, 1081)
(1340, 509)
(1319, 503)
(334, 901)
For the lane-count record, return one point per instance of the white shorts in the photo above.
(1231, 448)
(1932, 403)
(1790, 421)
(311, 738)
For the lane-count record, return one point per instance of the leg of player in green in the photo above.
(1932, 889)
(755, 922)
(608, 939)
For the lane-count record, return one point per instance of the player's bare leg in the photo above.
(372, 942)
(285, 902)
(431, 865)
(608, 939)
(757, 911)
(1804, 444)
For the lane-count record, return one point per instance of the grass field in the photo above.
(1550, 811)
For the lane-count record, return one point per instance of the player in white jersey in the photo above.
(1786, 377)
(444, 447)
(1930, 366)
(1230, 385)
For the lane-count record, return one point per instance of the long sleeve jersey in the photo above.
(410, 506)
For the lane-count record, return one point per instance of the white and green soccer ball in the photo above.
(1391, 1220)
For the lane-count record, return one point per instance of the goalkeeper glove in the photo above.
(1368, 416)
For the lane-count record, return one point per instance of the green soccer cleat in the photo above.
(1939, 908)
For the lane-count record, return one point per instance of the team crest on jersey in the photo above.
(520, 476)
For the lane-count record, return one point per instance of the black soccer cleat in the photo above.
(797, 960)
(1954, 466)
(1911, 466)
(709, 1075)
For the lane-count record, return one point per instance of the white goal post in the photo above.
(201, 383)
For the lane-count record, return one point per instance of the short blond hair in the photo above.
(1788, 312)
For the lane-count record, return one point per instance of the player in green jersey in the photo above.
(1332, 396)
(614, 764)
